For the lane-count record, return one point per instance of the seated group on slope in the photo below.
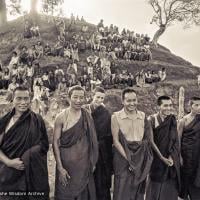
(31, 30)
(126, 45)
(24, 67)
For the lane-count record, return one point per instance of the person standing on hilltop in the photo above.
(189, 135)
(23, 151)
(164, 177)
(198, 80)
(75, 149)
(102, 122)
(132, 153)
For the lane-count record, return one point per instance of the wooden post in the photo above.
(181, 103)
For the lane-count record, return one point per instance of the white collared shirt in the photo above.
(130, 124)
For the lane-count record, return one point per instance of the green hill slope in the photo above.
(179, 71)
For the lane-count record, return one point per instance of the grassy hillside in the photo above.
(179, 71)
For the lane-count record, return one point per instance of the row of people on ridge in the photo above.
(143, 147)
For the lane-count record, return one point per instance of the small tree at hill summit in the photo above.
(168, 12)
(14, 8)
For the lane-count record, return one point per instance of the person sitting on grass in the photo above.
(35, 32)
(14, 59)
(162, 74)
(39, 50)
(47, 50)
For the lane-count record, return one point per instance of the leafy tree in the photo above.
(169, 12)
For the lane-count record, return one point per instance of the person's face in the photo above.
(21, 100)
(195, 107)
(166, 107)
(14, 66)
(98, 98)
(130, 101)
(14, 80)
(77, 99)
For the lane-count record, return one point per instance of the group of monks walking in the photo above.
(152, 158)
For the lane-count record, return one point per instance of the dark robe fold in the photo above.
(190, 151)
(104, 168)
(79, 154)
(130, 185)
(26, 139)
(164, 180)
(166, 139)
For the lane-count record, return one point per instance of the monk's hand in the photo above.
(64, 176)
(166, 161)
(16, 164)
(171, 161)
(130, 169)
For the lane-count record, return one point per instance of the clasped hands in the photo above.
(168, 161)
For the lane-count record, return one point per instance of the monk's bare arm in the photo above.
(56, 136)
(63, 173)
(154, 146)
(115, 134)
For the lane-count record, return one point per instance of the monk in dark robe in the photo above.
(164, 178)
(76, 150)
(189, 134)
(23, 152)
(132, 153)
(102, 121)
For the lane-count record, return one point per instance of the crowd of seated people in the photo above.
(126, 45)
(106, 45)
(24, 69)
(31, 30)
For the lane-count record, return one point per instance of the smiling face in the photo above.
(130, 102)
(77, 99)
(21, 100)
(195, 106)
(166, 107)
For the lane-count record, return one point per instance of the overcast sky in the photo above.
(136, 15)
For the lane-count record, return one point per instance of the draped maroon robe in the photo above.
(26, 139)
(130, 185)
(164, 179)
(79, 154)
(190, 151)
(104, 168)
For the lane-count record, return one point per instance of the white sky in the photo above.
(135, 15)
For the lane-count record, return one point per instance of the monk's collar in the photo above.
(162, 118)
(125, 115)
